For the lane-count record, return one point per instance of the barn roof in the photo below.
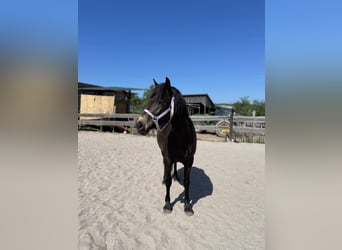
(87, 86)
(199, 98)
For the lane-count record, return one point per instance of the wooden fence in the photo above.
(240, 128)
(249, 129)
(120, 120)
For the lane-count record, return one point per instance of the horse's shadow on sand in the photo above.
(200, 185)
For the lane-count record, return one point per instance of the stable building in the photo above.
(199, 104)
(94, 99)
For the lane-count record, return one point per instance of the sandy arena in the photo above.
(121, 195)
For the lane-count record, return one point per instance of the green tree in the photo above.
(245, 107)
(138, 104)
(146, 96)
(259, 107)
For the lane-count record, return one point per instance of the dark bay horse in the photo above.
(176, 136)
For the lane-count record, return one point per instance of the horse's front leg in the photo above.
(187, 207)
(167, 180)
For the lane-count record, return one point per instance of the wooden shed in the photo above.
(199, 104)
(103, 100)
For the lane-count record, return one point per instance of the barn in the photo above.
(103, 100)
(199, 104)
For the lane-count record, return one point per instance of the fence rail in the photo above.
(116, 115)
(250, 124)
(113, 120)
(106, 123)
(241, 124)
(247, 124)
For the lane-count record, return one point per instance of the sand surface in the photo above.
(121, 195)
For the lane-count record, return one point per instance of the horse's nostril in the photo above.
(139, 125)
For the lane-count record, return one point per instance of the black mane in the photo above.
(180, 108)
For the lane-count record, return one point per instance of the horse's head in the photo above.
(159, 112)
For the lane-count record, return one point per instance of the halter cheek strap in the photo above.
(155, 119)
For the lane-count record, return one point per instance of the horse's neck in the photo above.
(180, 124)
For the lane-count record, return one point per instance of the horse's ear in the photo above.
(167, 82)
(168, 85)
(155, 82)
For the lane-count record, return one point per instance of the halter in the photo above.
(155, 119)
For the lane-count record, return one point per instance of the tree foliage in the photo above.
(139, 103)
(245, 107)
(146, 96)
(242, 107)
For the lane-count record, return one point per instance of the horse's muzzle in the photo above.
(141, 125)
(140, 128)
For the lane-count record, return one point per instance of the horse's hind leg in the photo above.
(187, 207)
(167, 180)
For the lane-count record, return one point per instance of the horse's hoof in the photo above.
(188, 210)
(167, 208)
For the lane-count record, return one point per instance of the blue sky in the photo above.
(215, 47)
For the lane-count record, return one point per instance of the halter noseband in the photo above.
(155, 119)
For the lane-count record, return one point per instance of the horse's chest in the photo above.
(172, 147)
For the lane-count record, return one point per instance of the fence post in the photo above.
(225, 138)
(231, 119)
